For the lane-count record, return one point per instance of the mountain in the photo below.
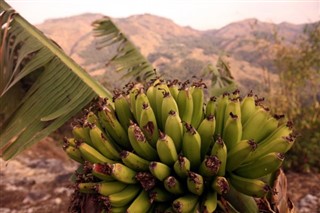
(176, 51)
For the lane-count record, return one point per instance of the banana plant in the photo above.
(41, 87)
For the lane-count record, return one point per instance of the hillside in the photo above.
(176, 51)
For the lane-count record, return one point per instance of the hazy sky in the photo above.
(199, 14)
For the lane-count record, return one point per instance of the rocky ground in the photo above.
(38, 181)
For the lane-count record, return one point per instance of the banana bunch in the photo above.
(161, 148)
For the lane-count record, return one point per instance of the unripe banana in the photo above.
(148, 125)
(88, 188)
(233, 107)
(151, 94)
(168, 104)
(248, 107)
(160, 89)
(174, 129)
(166, 149)
(159, 170)
(69, 142)
(173, 185)
(122, 108)
(256, 123)
(206, 131)
(92, 155)
(73, 153)
(134, 161)
(101, 171)
(108, 188)
(185, 104)
(110, 123)
(280, 145)
(221, 105)
(283, 130)
(219, 149)
(232, 131)
(211, 106)
(159, 194)
(195, 183)
(182, 166)
(122, 173)
(139, 143)
(209, 202)
(185, 204)
(209, 166)
(191, 146)
(81, 133)
(125, 196)
(251, 187)
(92, 118)
(220, 184)
(103, 144)
(174, 88)
(239, 153)
(198, 103)
(140, 204)
(141, 100)
(264, 165)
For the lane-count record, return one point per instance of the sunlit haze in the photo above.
(199, 14)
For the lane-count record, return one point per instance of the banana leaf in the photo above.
(41, 87)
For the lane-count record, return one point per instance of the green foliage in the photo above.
(298, 67)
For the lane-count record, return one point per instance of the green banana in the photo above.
(256, 123)
(81, 133)
(111, 124)
(220, 184)
(219, 149)
(221, 105)
(134, 161)
(185, 203)
(233, 107)
(283, 130)
(211, 106)
(168, 104)
(140, 204)
(125, 196)
(238, 199)
(173, 185)
(239, 153)
(108, 188)
(139, 143)
(160, 89)
(92, 118)
(148, 125)
(209, 166)
(151, 94)
(210, 202)
(174, 128)
(206, 132)
(185, 104)
(103, 144)
(182, 166)
(166, 149)
(248, 107)
(73, 153)
(195, 183)
(69, 142)
(232, 131)
(174, 88)
(191, 146)
(123, 173)
(86, 187)
(280, 145)
(122, 108)
(101, 171)
(159, 194)
(92, 155)
(141, 100)
(159, 170)
(262, 166)
(198, 103)
(251, 187)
